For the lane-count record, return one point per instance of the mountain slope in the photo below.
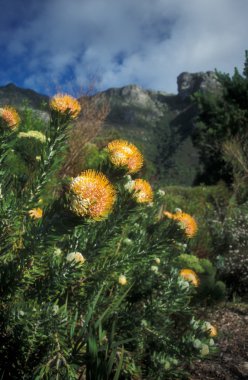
(160, 124)
(19, 97)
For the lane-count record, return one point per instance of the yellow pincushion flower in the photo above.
(143, 192)
(63, 104)
(36, 213)
(124, 154)
(10, 116)
(92, 195)
(190, 275)
(187, 222)
(122, 280)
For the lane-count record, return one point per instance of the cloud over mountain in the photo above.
(116, 42)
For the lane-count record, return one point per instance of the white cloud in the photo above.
(148, 42)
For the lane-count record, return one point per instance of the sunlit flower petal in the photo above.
(190, 276)
(65, 104)
(33, 135)
(92, 195)
(122, 280)
(143, 192)
(36, 213)
(76, 256)
(187, 222)
(126, 155)
(10, 116)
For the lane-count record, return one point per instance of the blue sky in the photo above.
(68, 44)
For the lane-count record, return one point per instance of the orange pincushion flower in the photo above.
(187, 222)
(36, 213)
(63, 103)
(124, 154)
(10, 117)
(190, 275)
(143, 192)
(92, 195)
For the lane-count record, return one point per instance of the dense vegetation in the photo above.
(91, 286)
(101, 274)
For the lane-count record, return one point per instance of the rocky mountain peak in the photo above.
(131, 93)
(189, 83)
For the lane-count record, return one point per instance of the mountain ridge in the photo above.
(159, 123)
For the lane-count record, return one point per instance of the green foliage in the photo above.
(235, 152)
(230, 239)
(205, 203)
(222, 116)
(221, 236)
(64, 318)
(209, 289)
(94, 156)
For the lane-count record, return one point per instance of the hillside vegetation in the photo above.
(109, 258)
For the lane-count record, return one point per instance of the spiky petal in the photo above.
(125, 155)
(190, 276)
(65, 104)
(10, 116)
(143, 192)
(92, 195)
(36, 213)
(187, 222)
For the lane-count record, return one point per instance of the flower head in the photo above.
(143, 192)
(92, 195)
(124, 154)
(186, 221)
(10, 116)
(33, 135)
(204, 350)
(36, 213)
(63, 104)
(190, 276)
(212, 329)
(76, 256)
(154, 268)
(122, 280)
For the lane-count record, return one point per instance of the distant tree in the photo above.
(222, 116)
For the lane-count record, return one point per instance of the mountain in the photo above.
(18, 97)
(160, 124)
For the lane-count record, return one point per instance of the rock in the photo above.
(189, 83)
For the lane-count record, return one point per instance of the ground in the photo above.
(231, 362)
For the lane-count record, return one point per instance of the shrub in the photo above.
(230, 239)
(210, 289)
(206, 204)
(89, 282)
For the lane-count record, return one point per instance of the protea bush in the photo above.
(89, 283)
